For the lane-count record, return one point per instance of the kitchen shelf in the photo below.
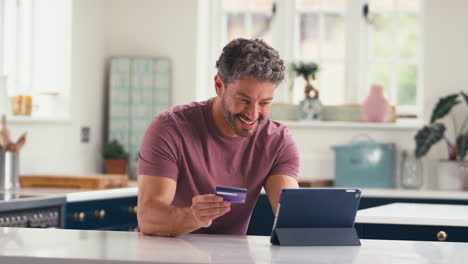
(401, 124)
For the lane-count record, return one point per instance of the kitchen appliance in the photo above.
(19, 209)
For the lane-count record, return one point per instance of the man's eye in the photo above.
(244, 100)
(265, 103)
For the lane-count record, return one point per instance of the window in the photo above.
(352, 52)
(37, 53)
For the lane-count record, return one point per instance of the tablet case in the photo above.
(316, 217)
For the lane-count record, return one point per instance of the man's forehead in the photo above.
(242, 94)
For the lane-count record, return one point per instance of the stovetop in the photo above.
(22, 209)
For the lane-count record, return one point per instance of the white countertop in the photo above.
(415, 194)
(36, 246)
(75, 195)
(415, 214)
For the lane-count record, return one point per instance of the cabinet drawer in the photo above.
(99, 214)
(412, 232)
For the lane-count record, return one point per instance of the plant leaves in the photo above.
(462, 146)
(464, 95)
(443, 107)
(428, 136)
(306, 69)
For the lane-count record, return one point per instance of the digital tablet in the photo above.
(316, 208)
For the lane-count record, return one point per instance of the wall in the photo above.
(157, 28)
(55, 147)
(169, 28)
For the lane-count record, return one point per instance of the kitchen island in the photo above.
(35, 246)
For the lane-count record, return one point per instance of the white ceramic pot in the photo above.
(453, 175)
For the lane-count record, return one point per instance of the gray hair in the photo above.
(252, 58)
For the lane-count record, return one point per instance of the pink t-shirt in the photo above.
(185, 145)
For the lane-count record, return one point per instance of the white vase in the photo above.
(452, 175)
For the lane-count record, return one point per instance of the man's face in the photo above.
(245, 103)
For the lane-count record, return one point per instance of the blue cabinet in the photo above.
(117, 214)
(262, 219)
(412, 232)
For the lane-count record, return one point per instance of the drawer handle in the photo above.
(132, 209)
(79, 216)
(442, 236)
(100, 214)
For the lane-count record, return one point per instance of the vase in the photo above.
(411, 174)
(375, 107)
(310, 109)
(452, 175)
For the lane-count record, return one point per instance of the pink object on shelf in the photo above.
(375, 107)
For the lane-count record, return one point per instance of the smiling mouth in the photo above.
(245, 120)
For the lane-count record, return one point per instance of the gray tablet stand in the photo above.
(346, 236)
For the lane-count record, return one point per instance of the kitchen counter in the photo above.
(28, 245)
(415, 214)
(74, 195)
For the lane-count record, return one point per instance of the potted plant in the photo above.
(115, 158)
(310, 108)
(452, 172)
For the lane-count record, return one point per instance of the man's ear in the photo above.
(219, 85)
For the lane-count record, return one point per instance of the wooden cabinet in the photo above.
(117, 214)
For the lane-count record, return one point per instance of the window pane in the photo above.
(334, 45)
(408, 5)
(261, 28)
(235, 26)
(309, 36)
(408, 36)
(382, 36)
(335, 4)
(235, 4)
(332, 87)
(381, 5)
(263, 4)
(381, 75)
(407, 83)
(309, 4)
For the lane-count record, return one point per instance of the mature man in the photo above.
(227, 140)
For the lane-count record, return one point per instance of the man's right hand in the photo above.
(206, 208)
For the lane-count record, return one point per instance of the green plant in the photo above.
(306, 70)
(114, 150)
(430, 134)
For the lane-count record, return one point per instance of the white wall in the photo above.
(157, 28)
(168, 28)
(55, 147)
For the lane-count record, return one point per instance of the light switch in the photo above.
(85, 135)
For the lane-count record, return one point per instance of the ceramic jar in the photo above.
(375, 107)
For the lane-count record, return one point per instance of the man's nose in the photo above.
(253, 112)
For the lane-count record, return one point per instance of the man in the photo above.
(227, 140)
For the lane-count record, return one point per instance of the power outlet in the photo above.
(85, 134)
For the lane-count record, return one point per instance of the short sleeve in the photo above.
(287, 159)
(158, 155)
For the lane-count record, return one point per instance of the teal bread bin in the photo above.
(365, 164)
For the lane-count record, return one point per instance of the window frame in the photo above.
(356, 58)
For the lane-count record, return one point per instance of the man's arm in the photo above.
(274, 185)
(156, 215)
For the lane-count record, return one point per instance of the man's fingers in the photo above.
(207, 198)
(213, 211)
(203, 206)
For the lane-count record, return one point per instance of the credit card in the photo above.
(231, 194)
